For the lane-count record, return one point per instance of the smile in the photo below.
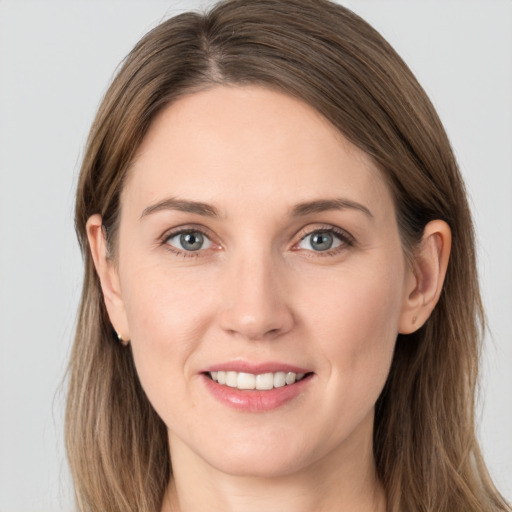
(261, 382)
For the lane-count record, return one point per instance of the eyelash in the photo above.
(343, 236)
(189, 230)
(346, 239)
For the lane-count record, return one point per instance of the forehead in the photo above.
(249, 145)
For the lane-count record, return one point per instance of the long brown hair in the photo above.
(425, 449)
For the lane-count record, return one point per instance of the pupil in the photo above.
(321, 241)
(191, 241)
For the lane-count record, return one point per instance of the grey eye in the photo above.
(189, 241)
(320, 241)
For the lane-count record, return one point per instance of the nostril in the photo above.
(255, 315)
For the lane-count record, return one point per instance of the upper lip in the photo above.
(255, 368)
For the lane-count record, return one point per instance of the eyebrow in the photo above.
(299, 210)
(181, 205)
(323, 205)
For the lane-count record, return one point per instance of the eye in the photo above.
(323, 240)
(189, 241)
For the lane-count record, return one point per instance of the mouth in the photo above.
(261, 382)
(254, 388)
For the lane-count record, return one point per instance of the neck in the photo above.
(345, 480)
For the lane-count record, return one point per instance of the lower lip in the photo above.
(255, 400)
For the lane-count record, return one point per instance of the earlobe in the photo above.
(108, 276)
(425, 280)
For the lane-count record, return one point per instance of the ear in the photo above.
(108, 275)
(425, 279)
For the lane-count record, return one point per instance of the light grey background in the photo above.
(56, 58)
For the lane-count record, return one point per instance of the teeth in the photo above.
(290, 378)
(231, 379)
(263, 381)
(246, 381)
(279, 379)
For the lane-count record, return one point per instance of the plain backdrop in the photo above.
(56, 59)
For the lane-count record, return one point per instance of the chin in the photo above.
(261, 460)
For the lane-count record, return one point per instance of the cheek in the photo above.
(164, 306)
(167, 322)
(167, 318)
(356, 325)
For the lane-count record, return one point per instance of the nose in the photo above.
(255, 300)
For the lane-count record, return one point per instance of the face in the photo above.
(258, 247)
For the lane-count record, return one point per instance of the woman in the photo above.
(280, 306)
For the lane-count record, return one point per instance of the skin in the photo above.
(258, 291)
